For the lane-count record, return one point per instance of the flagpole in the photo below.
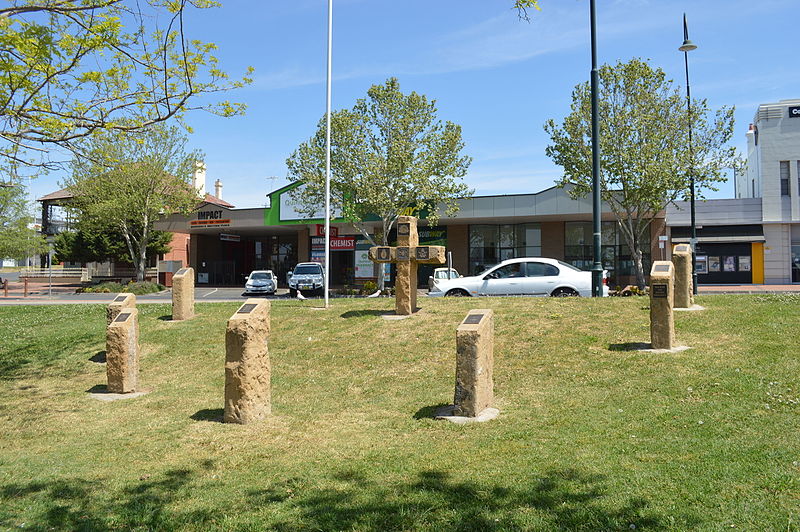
(328, 157)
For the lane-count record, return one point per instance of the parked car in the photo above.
(307, 277)
(530, 276)
(260, 282)
(440, 274)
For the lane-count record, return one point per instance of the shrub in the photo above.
(144, 287)
(369, 288)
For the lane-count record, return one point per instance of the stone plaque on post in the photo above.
(407, 255)
(122, 301)
(183, 294)
(474, 364)
(662, 294)
(122, 352)
(682, 261)
(247, 364)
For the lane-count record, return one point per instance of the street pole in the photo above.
(328, 157)
(687, 47)
(597, 266)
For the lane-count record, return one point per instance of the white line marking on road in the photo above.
(208, 294)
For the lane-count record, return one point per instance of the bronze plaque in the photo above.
(246, 308)
(403, 254)
(661, 268)
(384, 253)
(122, 316)
(423, 253)
(659, 291)
(404, 229)
(473, 319)
(683, 248)
(120, 298)
(182, 271)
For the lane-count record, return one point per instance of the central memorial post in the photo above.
(407, 255)
(662, 294)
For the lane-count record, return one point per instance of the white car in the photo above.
(529, 276)
(307, 277)
(440, 274)
(260, 282)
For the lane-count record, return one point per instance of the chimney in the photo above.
(199, 178)
(218, 189)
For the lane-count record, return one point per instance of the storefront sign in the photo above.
(230, 238)
(210, 219)
(364, 268)
(341, 243)
(794, 111)
(319, 230)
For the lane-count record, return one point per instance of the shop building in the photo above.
(755, 237)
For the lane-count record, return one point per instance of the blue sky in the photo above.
(498, 77)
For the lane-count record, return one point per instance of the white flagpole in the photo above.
(328, 157)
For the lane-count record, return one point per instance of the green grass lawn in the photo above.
(590, 437)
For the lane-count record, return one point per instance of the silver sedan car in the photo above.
(525, 276)
(260, 282)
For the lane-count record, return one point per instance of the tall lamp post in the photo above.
(687, 47)
(597, 266)
(326, 282)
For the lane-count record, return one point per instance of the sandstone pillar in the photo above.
(183, 294)
(122, 301)
(474, 363)
(406, 280)
(247, 364)
(122, 352)
(662, 295)
(682, 261)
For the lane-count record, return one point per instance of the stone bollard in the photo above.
(247, 365)
(662, 295)
(682, 261)
(474, 363)
(120, 302)
(122, 352)
(183, 294)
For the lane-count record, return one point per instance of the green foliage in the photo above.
(17, 240)
(369, 288)
(90, 245)
(644, 156)
(130, 180)
(138, 288)
(389, 155)
(522, 7)
(71, 68)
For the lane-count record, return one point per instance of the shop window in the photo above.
(784, 178)
(491, 244)
(615, 254)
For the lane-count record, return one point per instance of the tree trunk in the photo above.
(637, 261)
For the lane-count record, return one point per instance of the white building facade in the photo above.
(765, 213)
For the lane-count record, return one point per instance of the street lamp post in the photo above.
(687, 47)
(597, 266)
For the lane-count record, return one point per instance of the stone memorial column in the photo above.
(662, 294)
(474, 363)
(682, 261)
(122, 352)
(122, 301)
(247, 365)
(183, 294)
(406, 278)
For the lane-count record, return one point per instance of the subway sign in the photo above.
(794, 112)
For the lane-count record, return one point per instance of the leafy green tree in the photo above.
(130, 180)
(389, 155)
(89, 245)
(17, 239)
(644, 153)
(70, 68)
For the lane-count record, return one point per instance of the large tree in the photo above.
(389, 155)
(69, 68)
(130, 180)
(93, 245)
(18, 239)
(645, 159)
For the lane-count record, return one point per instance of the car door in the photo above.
(540, 278)
(503, 281)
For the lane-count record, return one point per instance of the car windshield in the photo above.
(308, 269)
(570, 266)
(442, 274)
(260, 276)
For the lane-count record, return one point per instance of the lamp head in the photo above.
(687, 46)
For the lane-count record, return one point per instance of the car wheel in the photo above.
(564, 292)
(457, 292)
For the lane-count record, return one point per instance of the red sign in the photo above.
(320, 230)
(339, 243)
